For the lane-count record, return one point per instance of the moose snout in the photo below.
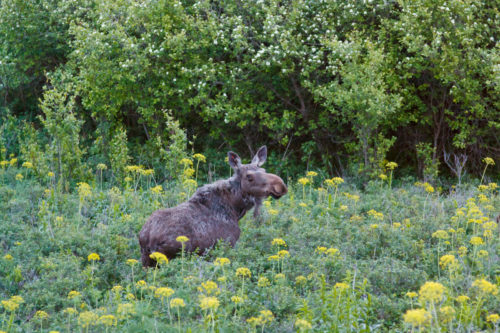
(278, 187)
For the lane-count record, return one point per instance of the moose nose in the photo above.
(281, 189)
(278, 187)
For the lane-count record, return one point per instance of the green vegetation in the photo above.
(325, 257)
(103, 104)
(338, 85)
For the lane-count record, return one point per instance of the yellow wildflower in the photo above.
(186, 162)
(101, 166)
(332, 251)
(447, 260)
(493, 318)
(93, 257)
(9, 305)
(447, 313)
(462, 298)
(163, 292)
(132, 262)
(417, 317)
(482, 253)
(209, 287)
(117, 289)
(266, 316)
(200, 157)
(8, 257)
(411, 294)
(84, 189)
(337, 181)
(280, 276)
(432, 291)
(243, 272)
(209, 303)
(190, 183)
(108, 320)
(341, 286)
(377, 215)
(19, 177)
(159, 257)
(40, 314)
(321, 249)
(429, 189)
(182, 239)
(236, 299)
(254, 321)
(157, 189)
(17, 299)
(141, 284)
(476, 240)
(177, 303)
(273, 212)
(391, 165)
(440, 234)
(488, 161)
(278, 241)
(28, 165)
(87, 318)
(124, 310)
(303, 324)
(283, 253)
(147, 172)
(263, 282)
(70, 311)
(73, 294)
(301, 279)
(485, 286)
(311, 174)
(188, 173)
(222, 262)
(304, 181)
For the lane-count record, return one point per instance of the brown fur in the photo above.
(212, 213)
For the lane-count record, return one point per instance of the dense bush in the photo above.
(338, 84)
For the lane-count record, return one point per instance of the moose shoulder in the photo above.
(213, 212)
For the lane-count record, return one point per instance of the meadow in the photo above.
(397, 256)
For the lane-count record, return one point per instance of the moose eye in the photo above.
(250, 178)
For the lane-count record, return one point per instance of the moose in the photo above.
(213, 212)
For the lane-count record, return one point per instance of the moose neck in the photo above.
(240, 202)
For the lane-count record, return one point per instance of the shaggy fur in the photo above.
(212, 213)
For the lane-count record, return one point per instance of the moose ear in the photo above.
(234, 160)
(260, 157)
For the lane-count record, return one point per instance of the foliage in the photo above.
(118, 153)
(63, 129)
(340, 85)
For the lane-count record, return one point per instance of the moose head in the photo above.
(255, 181)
